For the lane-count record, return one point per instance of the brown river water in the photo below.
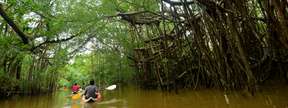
(130, 97)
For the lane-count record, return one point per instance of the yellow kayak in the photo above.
(76, 96)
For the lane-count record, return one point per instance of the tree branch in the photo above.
(21, 34)
(52, 41)
(81, 46)
(173, 3)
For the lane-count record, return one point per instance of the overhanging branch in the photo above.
(53, 41)
(174, 3)
(81, 46)
(58, 40)
(11, 23)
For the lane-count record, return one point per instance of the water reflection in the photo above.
(137, 98)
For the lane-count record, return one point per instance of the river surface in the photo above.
(130, 97)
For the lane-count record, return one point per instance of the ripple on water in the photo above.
(138, 98)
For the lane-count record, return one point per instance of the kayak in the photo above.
(88, 100)
(91, 99)
(76, 96)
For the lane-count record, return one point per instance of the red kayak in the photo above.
(91, 99)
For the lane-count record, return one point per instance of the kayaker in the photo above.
(75, 88)
(91, 92)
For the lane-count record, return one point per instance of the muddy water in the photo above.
(276, 97)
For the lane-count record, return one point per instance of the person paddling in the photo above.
(75, 88)
(91, 93)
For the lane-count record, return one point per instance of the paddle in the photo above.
(112, 87)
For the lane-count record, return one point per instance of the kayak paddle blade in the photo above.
(112, 87)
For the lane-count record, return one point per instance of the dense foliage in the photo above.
(45, 44)
(230, 44)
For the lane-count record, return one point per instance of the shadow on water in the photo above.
(130, 97)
